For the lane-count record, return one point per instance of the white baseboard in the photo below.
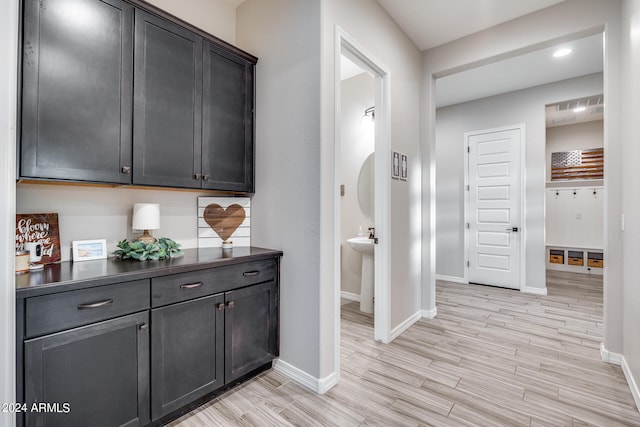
(430, 314)
(398, 330)
(618, 359)
(316, 385)
(609, 357)
(536, 291)
(350, 296)
(453, 279)
(633, 385)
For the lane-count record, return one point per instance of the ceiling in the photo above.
(430, 23)
(523, 71)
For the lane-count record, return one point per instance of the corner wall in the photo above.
(631, 191)
(8, 85)
(371, 27)
(285, 36)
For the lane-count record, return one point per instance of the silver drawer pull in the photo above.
(191, 286)
(250, 273)
(95, 304)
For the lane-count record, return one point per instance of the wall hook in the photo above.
(574, 193)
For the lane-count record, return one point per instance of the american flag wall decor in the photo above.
(577, 164)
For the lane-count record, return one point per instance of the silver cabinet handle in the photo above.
(231, 304)
(221, 306)
(250, 273)
(191, 286)
(95, 304)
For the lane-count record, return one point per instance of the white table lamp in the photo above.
(146, 216)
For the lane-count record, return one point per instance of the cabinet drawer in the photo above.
(185, 286)
(65, 310)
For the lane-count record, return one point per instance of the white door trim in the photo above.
(9, 41)
(523, 199)
(346, 44)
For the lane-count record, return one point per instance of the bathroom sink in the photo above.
(363, 245)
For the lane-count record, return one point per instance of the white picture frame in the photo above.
(404, 167)
(395, 164)
(86, 250)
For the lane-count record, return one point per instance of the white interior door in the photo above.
(494, 207)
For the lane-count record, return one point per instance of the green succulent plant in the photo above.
(163, 248)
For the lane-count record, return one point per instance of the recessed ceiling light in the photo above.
(579, 109)
(562, 52)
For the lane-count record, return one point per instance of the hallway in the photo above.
(492, 357)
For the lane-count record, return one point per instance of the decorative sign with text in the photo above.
(39, 228)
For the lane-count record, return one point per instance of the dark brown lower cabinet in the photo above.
(203, 344)
(98, 372)
(187, 353)
(145, 351)
(251, 329)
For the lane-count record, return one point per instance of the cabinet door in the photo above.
(187, 352)
(167, 107)
(76, 90)
(227, 139)
(100, 370)
(251, 329)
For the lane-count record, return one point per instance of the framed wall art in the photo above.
(85, 250)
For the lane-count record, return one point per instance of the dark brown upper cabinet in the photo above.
(167, 103)
(121, 93)
(227, 125)
(76, 90)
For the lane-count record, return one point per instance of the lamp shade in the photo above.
(146, 216)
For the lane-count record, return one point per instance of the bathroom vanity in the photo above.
(121, 342)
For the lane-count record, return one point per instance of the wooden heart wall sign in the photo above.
(224, 222)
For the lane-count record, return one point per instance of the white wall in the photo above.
(631, 190)
(8, 85)
(295, 173)
(570, 19)
(372, 28)
(217, 17)
(285, 36)
(526, 106)
(357, 138)
(580, 136)
(86, 212)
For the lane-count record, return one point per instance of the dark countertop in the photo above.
(68, 275)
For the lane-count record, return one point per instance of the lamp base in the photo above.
(147, 238)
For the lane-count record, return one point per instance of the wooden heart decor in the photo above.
(224, 221)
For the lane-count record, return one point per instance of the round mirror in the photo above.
(366, 187)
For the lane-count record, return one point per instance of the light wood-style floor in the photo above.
(492, 357)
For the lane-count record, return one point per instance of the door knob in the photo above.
(514, 229)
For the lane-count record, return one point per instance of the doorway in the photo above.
(494, 207)
(348, 47)
(357, 189)
(464, 109)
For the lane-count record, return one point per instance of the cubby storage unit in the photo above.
(577, 260)
(128, 343)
